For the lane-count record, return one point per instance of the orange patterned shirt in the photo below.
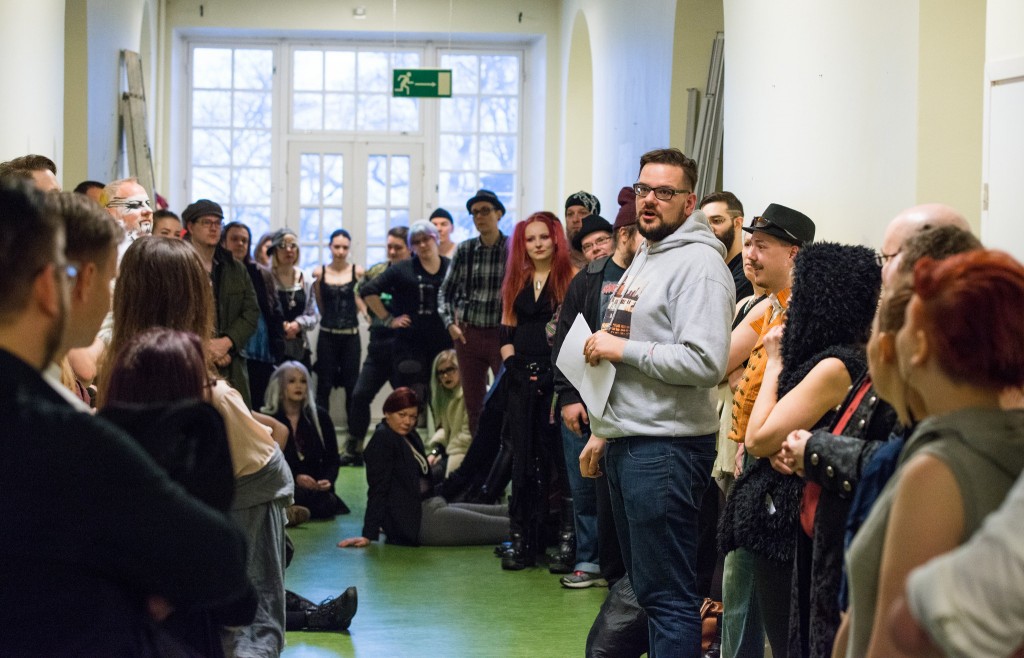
(750, 383)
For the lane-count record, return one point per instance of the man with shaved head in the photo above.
(911, 221)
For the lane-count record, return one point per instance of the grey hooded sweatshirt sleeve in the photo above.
(674, 307)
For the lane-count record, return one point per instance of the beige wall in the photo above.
(578, 120)
(697, 21)
(950, 103)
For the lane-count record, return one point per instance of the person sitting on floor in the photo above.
(452, 438)
(312, 447)
(400, 497)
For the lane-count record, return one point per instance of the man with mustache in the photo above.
(776, 238)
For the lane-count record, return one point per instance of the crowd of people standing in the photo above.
(795, 427)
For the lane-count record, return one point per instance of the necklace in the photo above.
(539, 283)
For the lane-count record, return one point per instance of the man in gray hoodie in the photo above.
(667, 332)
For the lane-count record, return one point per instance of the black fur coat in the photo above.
(834, 296)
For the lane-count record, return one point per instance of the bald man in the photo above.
(909, 222)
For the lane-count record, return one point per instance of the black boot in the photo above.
(519, 555)
(564, 561)
(353, 455)
(296, 603)
(334, 614)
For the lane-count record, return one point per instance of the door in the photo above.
(367, 188)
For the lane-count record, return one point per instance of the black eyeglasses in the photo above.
(660, 193)
(482, 212)
(444, 372)
(761, 222)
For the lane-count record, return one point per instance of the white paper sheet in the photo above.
(593, 382)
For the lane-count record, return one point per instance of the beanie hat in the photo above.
(441, 212)
(585, 199)
(591, 224)
(627, 208)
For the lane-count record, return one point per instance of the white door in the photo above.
(1001, 224)
(367, 188)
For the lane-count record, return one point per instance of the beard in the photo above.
(659, 231)
(728, 237)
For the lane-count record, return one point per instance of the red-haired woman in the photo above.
(958, 350)
(537, 275)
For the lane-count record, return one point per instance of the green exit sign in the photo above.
(422, 83)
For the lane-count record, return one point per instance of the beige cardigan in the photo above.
(453, 431)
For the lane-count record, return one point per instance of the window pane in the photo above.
(211, 68)
(211, 147)
(252, 148)
(499, 114)
(458, 152)
(257, 218)
(252, 110)
(376, 180)
(308, 72)
(499, 74)
(309, 224)
(309, 178)
(400, 181)
(254, 69)
(251, 186)
(376, 255)
(464, 73)
(339, 112)
(211, 183)
(372, 112)
(458, 114)
(399, 217)
(374, 72)
(455, 189)
(405, 115)
(332, 221)
(406, 60)
(504, 185)
(309, 256)
(211, 108)
(376, 225)
(340, 71)
(307, 112)
(334, 170)
(497, 152)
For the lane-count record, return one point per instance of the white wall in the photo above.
(631, 49)
(32, 113)
(821, 110)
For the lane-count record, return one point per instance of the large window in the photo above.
(232, 111)
(479, 134)
(350, 90)
(308, 136)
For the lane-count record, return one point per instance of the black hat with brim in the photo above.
(488, 196)
(784, 223)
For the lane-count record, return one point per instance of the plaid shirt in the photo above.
(478, 302)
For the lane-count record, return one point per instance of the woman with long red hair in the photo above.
(536, 278)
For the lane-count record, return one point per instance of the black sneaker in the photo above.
(334, 614)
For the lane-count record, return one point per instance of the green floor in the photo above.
(431, 601)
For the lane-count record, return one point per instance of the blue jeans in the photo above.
(742, 631)
(656, 486)
(584, 502)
